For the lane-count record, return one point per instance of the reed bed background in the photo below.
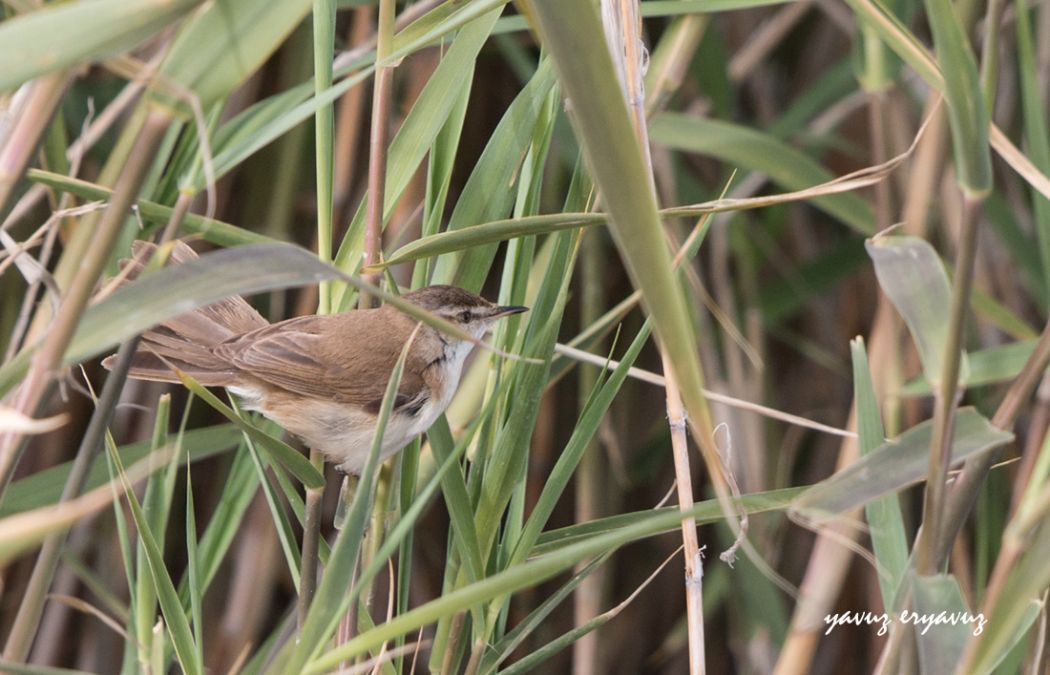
(788, 271)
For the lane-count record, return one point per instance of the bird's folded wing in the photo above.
(301, 357)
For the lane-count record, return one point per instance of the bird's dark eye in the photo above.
(466, 316)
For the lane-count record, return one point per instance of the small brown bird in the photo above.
(321, 377)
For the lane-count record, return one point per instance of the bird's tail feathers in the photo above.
(185, 341)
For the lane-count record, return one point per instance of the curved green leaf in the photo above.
(912, 275)
(224, 44)
(756, 151)
(895, 465)
(65, 34)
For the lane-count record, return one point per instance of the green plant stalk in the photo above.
(311, 537)
(967, 485)
(948, 391)
(591, 481)
(48, 358)
(377, 145)
(324, 124)
(993, 17)
(24, 136)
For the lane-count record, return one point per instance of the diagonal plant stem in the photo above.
(48, 358)
(967, 485)
(31, 608)
(22, 138)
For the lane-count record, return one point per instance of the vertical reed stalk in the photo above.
(623, 26)
(591, 479)
(377, 143)
(947, 392)
(324, 43)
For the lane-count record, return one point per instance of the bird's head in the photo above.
(473, 313)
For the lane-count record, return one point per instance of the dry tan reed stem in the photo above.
(48, 359)
(623, 26)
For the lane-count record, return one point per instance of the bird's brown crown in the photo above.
(438, 297)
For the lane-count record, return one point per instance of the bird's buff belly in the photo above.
(342, 433)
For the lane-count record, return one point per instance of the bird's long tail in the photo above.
(185, 341)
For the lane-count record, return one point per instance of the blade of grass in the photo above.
(884, 515)
(177, 622)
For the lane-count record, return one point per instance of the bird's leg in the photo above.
(311, 537)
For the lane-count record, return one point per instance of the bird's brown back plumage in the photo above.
(228, 343)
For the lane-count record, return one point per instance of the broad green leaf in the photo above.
(705, 512)
(660, 8)
(493, 232)
(193, 576)
(583, 432)
(753, 150)
(987, 366)
(911, 274)
(1005, 631)
(282, 523)
(895, 465)
(224, 44)
(509, 456)
(941, 645)
(1035, 129)
(227, 520)
(884, 514)
(156, 503)
(421, 128)
(44, 487)
(489, 194)
(61, 35)
(457, 500)
(536, 619)
(264, 131)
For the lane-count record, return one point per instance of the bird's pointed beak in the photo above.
(507, 310)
